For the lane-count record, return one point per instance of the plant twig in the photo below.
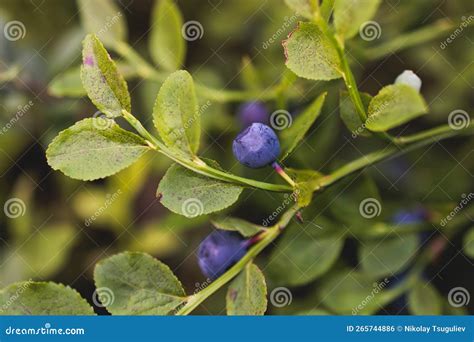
(425, 34)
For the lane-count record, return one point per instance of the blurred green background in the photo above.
(66, 226)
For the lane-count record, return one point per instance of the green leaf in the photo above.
(104, 19)
(305, 8)
(176, 114)
(69, 83)
(39, 298)
(190, 194)
(349, 114)
(307, 181)
(138, 284)
(292, 136)
(349, 15)
(245, 228)
(247, 293)
(94, 148)
(357, 202)
(104, 85)
(46, 250)
(423, 299)
(310, 54)
(388, 256)
(393, 106)
(351, 292)
(303, 254)
(167, 45)
(327, 7)
(469, 243)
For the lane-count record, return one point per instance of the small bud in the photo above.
(409, 78)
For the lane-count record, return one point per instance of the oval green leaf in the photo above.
(349, 15)
(468, 243)
(245, 228)
(302, 254)
(310, 54)
(351, 292)
(69, 83)
(38, 298)
(423, 299)
(94, 148)
(104, 85)
(305, 8)
(104, 19)
(389, 256)
(167, 45)
(247, 293)
(138, 284)
(393, 106)
(43, 253)
(176, 114)
(292, 136)
(349, 114)
(190, 194)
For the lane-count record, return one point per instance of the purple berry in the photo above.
(220, 251)
(251, 112)
(418, 215)
(256, 146)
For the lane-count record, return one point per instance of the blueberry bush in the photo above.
(297, 171)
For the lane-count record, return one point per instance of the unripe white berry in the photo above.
(409, 78)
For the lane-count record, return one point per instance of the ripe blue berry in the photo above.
(220, 251)
(418, 215)
(256, 146)
(251, 112)
(409, 78)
